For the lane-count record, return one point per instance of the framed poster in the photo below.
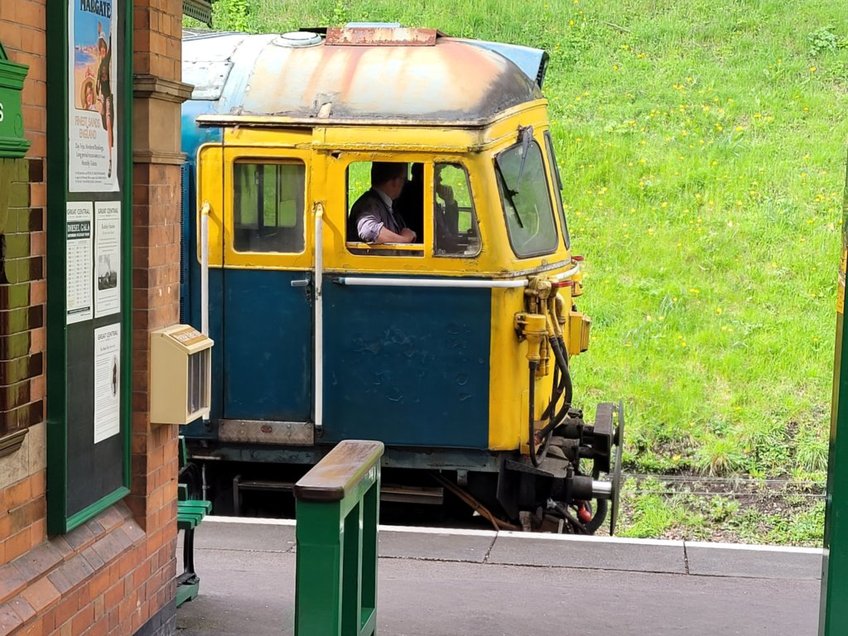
(92, 98)
(89, 329)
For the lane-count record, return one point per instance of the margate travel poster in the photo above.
(92, 96)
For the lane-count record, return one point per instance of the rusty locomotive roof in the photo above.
(401, 76)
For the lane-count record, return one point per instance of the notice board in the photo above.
(89, 246)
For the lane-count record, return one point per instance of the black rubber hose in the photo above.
(601, 508)
(556, 392)
(536, 459)
(562, 384)
(561, 355)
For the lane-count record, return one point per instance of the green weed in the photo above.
(811, 453)
(823, 40)
(720, 456)
(722, 508)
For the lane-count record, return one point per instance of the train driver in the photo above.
(373, 218)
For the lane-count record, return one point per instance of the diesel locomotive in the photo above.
(454, 349)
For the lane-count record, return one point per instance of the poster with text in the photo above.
(78, 260)
(93, 96)
(107, 255)
(107, 382)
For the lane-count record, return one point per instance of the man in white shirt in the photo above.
(372, 216)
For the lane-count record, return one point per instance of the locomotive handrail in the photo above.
(319, 318)
(362, 281)
(204, 268)
(358, 281)
(336, 533)
(567, 274)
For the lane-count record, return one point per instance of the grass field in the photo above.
(703, 147)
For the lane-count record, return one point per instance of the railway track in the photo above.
(438, 506)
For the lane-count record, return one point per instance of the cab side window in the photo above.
(455, 231)
(384, 207)
(268, 207)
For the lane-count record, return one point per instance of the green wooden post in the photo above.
(833, 612)
(338, 504)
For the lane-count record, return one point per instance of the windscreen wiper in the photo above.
(510, 193)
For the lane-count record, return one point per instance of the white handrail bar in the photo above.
(359, 281)
(319, 317)
(204, 268)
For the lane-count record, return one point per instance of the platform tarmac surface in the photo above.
(436, 582)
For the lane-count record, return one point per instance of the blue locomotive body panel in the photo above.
(419, 379)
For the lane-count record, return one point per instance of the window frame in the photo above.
(361, 248)
(268, 161)
(423, 249)
(470, 189)
(557, 182)
(222, 252)
(498, 180)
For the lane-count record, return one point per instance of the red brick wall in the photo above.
(22, 503)
(116, 572)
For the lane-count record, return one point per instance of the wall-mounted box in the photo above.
(180, 375)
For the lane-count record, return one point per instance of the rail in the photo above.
(337, 508)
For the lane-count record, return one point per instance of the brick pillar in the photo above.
(157, 162)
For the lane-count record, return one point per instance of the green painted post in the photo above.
(833, 611)
(338, 505)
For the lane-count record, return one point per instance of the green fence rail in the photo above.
(338, 504)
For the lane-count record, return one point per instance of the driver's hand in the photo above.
(408, 234)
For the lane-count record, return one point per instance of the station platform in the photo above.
(437, 582)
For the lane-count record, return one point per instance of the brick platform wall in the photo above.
(115, 573)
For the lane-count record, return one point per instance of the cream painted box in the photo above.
(180, 375)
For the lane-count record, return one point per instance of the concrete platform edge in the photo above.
(573, 551)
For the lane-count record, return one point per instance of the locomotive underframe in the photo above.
(504, 483)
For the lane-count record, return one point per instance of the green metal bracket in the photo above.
(12, 75)
(338, 504)
(833, 611)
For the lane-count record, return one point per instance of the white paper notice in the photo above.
(107, 382)
(107, 250)
(78, 262)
